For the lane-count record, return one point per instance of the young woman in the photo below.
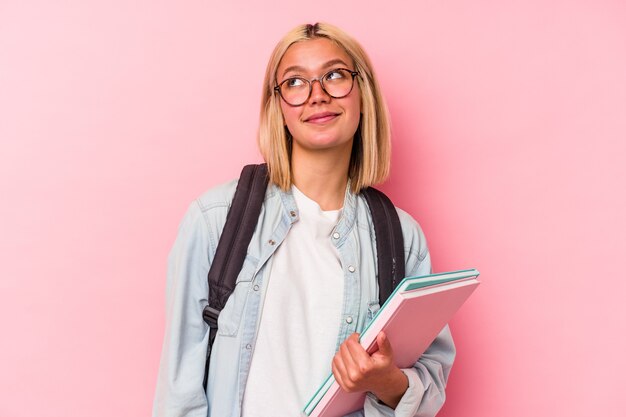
(308, 284)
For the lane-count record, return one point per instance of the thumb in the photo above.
(384, 346)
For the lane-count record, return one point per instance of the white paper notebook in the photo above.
(412, 317)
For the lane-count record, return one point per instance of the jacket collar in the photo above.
(290, 212)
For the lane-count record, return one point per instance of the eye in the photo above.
(334, 75)
(293, 82)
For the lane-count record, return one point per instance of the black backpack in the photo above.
(241, 221)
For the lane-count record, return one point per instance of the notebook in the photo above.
(412, 317)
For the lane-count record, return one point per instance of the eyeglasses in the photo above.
(337, 83)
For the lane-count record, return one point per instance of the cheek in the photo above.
(355, 107)
(290, 115)
(359, 102)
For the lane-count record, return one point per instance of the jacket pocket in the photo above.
(372, 309)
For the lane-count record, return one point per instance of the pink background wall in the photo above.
(509, 121)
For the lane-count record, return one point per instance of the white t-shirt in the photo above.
(300, 318)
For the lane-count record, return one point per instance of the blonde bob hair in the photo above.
(371, 148)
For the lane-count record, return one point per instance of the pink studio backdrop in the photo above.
(509, 127)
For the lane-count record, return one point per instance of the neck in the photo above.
(322, 175)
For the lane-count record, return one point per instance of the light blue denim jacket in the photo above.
(179, 387)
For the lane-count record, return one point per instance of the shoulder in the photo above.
(415, 247)
(417, 257)
(210, 204)
(206, 215)
(217, 197)
(412, 232)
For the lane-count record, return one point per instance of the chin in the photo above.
(325, 143)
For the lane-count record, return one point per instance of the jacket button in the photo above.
(256, 288)
(292, 213)
(351, 268)
(349, 319)
(248, 346)
(271, 242)
(336, 235)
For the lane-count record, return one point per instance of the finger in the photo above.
(384, 345)
(360, 357)
(345, 350)
(339, 371)
(357, 367)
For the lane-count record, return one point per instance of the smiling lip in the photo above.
(322, 117)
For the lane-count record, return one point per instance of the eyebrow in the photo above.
(328, 64)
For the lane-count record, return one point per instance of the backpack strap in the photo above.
(389, 242)
(230, 254)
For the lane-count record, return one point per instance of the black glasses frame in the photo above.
(310, 82)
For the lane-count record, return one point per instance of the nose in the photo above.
(318, 95)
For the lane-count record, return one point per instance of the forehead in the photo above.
(312, 56)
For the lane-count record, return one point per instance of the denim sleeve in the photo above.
(428, 377)
(179, 389)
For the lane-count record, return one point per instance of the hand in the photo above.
(355, 370)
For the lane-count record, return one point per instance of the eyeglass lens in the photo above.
(337, 84)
